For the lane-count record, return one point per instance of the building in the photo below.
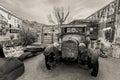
(49, 34)
(10, 24)
(109, 19)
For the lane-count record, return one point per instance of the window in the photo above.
(18, 26)
(10, 26)
(9, 16)
(45, 34)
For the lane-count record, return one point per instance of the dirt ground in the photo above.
(109, 69)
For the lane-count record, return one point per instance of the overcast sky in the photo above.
(38, 10)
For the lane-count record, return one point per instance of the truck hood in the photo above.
(73, 37)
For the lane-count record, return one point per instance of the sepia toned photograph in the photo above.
(59, 39)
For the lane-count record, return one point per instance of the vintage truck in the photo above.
(73, 47)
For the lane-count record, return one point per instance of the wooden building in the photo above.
(49, 34)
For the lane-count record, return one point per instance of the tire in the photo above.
(46, 63)
(89, 63)
(84, 60)
(95, 70)
(50, 61)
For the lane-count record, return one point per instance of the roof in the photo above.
(8, 11)
(81, 21)
(101, 9)
(70, 25)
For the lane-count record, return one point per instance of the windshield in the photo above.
(73, 30)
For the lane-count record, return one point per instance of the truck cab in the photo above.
(71, 37)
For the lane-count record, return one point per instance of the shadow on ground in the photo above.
(35, 70)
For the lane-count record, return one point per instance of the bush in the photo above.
(27, 37)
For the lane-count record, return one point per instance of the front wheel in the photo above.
(95, 70)
(50, 61)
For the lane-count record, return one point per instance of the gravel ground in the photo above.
(35, 70)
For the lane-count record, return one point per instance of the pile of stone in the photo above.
(113, 50)
(116, 51)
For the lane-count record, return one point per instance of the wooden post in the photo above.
(52, 34)
(42, 35)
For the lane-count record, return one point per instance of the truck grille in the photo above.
(69, 49)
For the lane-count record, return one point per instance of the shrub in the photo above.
(27, 37)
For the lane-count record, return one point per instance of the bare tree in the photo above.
(59, 16)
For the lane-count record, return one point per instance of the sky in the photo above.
(38, 10)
